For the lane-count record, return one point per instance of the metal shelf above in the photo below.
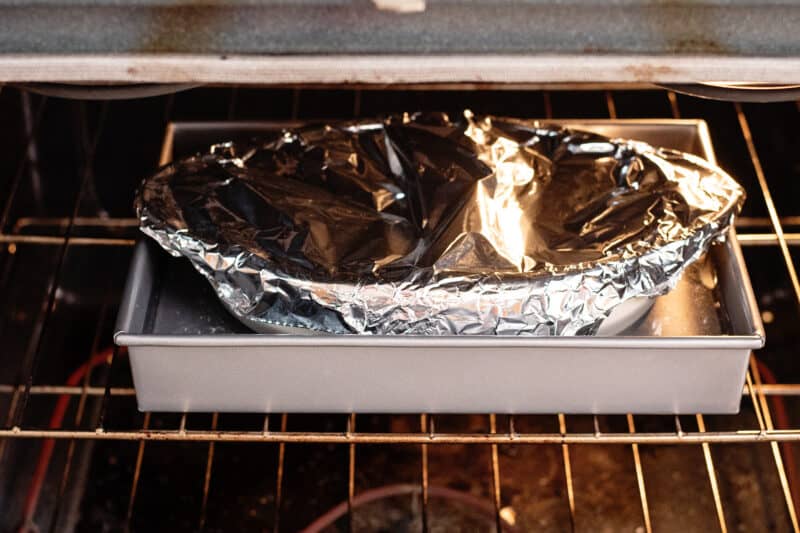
(394, 68)
(348, 41)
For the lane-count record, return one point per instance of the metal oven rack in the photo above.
(43, 376)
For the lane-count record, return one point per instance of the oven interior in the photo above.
(77, 455)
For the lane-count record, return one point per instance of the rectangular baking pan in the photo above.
(689, 354)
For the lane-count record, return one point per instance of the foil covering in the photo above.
(420, 224)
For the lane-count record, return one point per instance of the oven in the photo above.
(77, 455)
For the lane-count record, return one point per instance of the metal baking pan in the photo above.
(687, 354)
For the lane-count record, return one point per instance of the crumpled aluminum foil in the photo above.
(419, 224)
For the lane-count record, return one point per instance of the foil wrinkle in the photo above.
(426, 225)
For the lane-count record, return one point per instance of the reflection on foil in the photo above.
(419, 224)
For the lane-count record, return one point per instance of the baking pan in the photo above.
(687, 354)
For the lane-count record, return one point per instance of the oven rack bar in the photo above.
(120, 233)
(745, 238)
(768, 389)
(290, 437)
(23, 223)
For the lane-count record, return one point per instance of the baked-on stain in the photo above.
(648, 71)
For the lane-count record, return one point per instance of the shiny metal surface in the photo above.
(419, 224)
(710, 309)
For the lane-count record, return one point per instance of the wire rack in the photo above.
(91, 390)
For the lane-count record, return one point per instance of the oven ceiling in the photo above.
(362, 41)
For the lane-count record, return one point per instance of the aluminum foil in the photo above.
(423, 224)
